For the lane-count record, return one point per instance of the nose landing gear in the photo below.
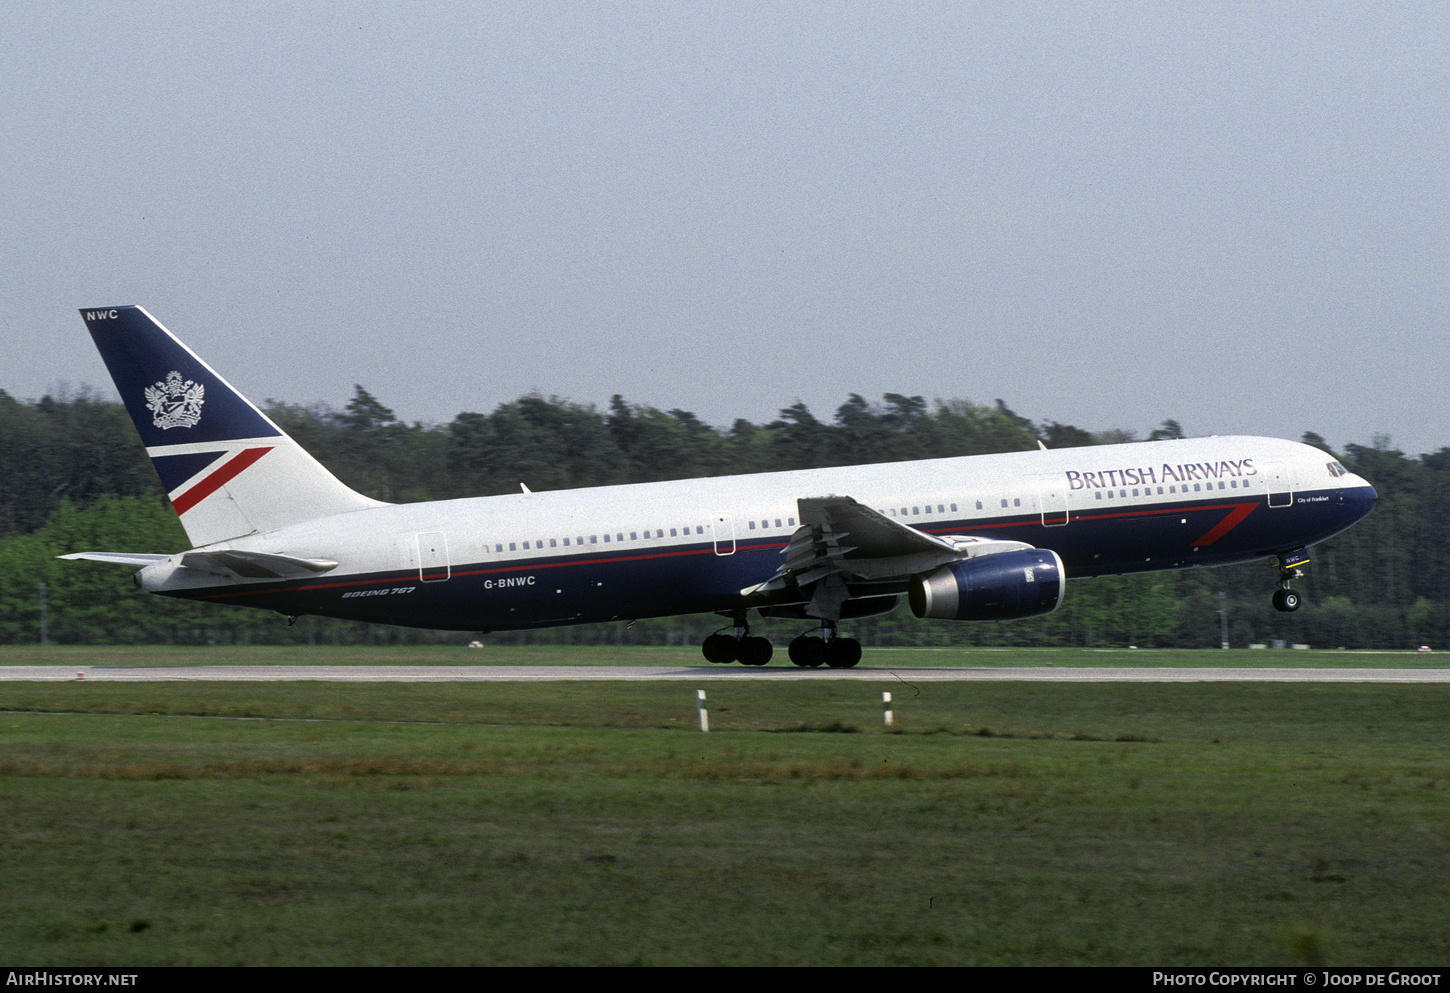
(1285, 599)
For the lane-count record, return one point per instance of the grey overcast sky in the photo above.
(1106, 214)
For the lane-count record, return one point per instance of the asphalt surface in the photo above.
(562, 673)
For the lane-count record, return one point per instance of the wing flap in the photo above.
(842, 538)
(873, 535)
(838, 534)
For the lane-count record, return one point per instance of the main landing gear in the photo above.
(808, 651)
(737, 647)
(727, 648)
(1285, 599)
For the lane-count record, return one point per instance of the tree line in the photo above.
(73, 476)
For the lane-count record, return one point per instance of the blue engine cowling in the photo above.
(1001, 587)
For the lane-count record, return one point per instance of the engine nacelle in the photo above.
(1000, 587)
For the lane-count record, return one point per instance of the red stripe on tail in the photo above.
(223, 475)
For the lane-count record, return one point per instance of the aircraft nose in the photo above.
(1361, 500)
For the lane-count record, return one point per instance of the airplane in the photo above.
(985, 537)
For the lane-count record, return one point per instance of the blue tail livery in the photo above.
(228, 470)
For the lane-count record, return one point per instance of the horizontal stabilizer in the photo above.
(117, 558)
(229, 562)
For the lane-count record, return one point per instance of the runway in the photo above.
(568, 673)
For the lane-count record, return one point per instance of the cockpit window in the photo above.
(1336, 470)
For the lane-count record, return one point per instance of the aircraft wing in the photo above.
(841, 539)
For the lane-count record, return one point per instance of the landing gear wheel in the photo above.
(843, 653)
(1286, 600)
(755, 651)
(720, 648)
(807, 651)
(1290, 568)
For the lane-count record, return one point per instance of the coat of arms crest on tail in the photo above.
(175, 403)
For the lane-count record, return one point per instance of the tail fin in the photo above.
(227, 468)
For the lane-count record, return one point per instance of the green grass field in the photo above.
(592, 823)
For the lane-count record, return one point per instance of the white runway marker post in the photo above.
(704, 717)
(886, 706)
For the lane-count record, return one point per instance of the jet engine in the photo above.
(1000, 587)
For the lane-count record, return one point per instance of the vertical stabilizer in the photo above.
(227, 468)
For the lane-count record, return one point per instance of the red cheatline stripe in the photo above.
(1240, 511)
(224, 474)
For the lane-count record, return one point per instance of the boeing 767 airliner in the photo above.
(988, 537)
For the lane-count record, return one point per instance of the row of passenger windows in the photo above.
(619, 538)
(916, 511)
(779, 522)
(1181, 488)
(941, 508)
(594, 539)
